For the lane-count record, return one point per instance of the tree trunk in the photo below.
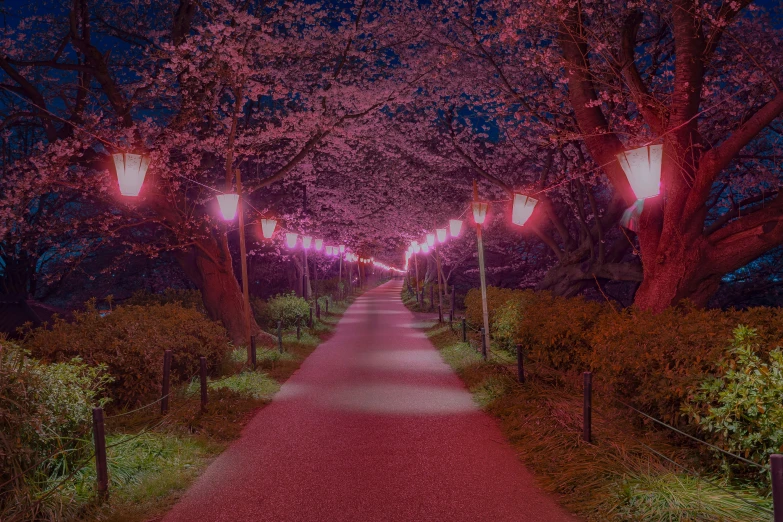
(209, 267)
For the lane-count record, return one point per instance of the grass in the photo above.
(617, 478)
(148, 473)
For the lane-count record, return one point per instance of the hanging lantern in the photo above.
(522, 209)
(479, 211)
(431, 239)
(131, 170)
(290, 239)
(441, 232)
(328, 250)
(307, 241)
(342, 249)
(455, 227)
(268, 227)
(642, 167)
(425, 248)
(415, 246)
(319, 244)
(228, 205)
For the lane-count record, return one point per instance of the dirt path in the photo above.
(374, 426)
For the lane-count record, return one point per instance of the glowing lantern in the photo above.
(430, 239)
(642, 167)
(319, 244)
(522, 209)
(415, 246)
(342, 249)
(479, 211)
(425, 248)
(328, 250)
(268, 227)
(307, 241)
(290, 239)
(455, 227)
(131, 170)
(228, 205)
(441, 235)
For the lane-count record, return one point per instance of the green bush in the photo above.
(130, 342)
(45, 421)
(288, 308)
(741, 408)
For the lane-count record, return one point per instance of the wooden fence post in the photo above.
(588, 407)
(483, 345)
(280, 336)
(99, 437)
(203, 379)
(253, 352)
(776, 468)
(164, 403)
(520, 364)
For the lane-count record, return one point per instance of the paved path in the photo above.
(373, 427)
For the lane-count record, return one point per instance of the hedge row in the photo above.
(655, 361)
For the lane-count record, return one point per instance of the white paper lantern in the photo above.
(131, 170)
(290, 239)
(522, 209)
(228, 205)
(268, 227)
(642, 167)
(455, 226)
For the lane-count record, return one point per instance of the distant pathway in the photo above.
(373, 427)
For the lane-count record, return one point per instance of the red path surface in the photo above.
(374, 426)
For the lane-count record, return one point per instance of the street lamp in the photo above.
(479, 216)
(522, 209)
(430, 239)
(441, 232)
(131, 170)
(290, 239)
(228, 205)
(642, 167)
(319, 243)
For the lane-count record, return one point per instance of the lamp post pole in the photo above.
(340, 284)
(243, 261)
(305, 273)
(480, 244)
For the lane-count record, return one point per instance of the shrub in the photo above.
(130, 341)
(261, 312)
(182, 297)
(288, 308)
(655, 360)
(496, 297)
(555, 330)
(741, 408)
(45, 413)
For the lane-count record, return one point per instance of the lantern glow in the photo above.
(430, 239)
(328, 250)
(455, 227)
(441, 232)
(416, 247)
(131, 170)
(425, 248)
(228, 205)
(290, 239)
(307, 241)
(319, 244)
(642, 167)
(479, 211)
(268, 227)
(342, 249)
(522, 209)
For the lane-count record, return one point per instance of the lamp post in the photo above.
(441, 235)
(230, 206)
(416, 250)
(479, 216)
(307, 241)
(340, 284)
